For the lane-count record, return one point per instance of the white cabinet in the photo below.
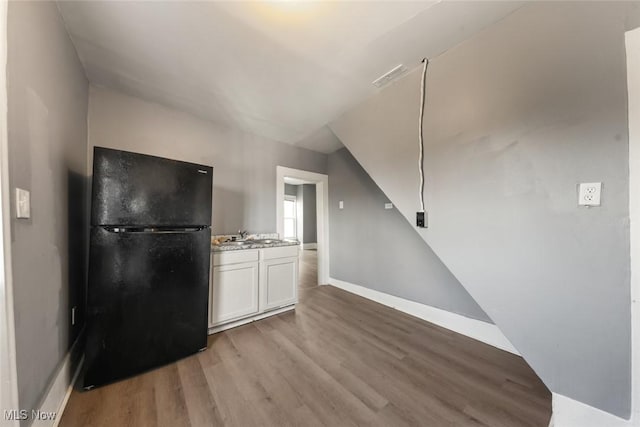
(234, 289)
(234, 292)
(278, 283)
(246, 284)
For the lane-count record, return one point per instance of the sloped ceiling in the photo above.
(281, 70)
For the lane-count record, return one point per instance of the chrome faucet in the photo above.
(243, 234)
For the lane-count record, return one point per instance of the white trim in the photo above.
(568, 412)
(62, 385)
(488, 333)
(322, 212)
(59, 393)
(309, 246)
(230, 325)
(632, 39)
(67, 395)
(8, 371)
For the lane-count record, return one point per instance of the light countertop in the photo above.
(256, 245)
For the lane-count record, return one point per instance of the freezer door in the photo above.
(132, 189)
(147, 301)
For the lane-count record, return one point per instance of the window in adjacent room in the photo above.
(290, 218)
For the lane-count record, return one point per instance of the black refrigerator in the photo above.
(149, 255)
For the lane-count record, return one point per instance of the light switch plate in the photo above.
(340, 204)
(388, 205)
(23, 203)
(589, 193)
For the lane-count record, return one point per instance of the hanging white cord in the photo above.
(420, 138)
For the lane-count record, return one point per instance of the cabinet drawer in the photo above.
(279, 252)
(234, 257)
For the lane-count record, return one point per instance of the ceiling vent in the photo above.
(390, 76)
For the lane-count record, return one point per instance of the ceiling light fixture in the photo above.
(291, 11)
(390, 75)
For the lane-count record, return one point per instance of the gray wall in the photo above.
(290, 190)
(244, 165)
(376, 248)
(309, 222)
(47, 126)
(516, 117)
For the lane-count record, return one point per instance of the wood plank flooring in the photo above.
(338, 360)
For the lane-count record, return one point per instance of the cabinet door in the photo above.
(278, 283)
(234, 292)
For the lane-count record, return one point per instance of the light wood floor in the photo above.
(338, 360)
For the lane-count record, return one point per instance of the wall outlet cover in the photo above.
(589, 193)
(388, 205)
(23, 203)
(340, 204)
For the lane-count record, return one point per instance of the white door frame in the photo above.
(322, 212)
(8, 376)
(632, 39)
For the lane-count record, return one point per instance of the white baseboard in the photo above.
(482, 331)
(571, 413)
(60, 389)
(309, 246)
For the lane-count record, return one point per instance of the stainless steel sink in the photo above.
(267, 241)
(236, 243)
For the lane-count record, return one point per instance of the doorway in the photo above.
(302, 211)
(301, 224)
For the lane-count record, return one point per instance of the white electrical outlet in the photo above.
(23, 203)
(589, 194)
(388, 205)
(340, 204)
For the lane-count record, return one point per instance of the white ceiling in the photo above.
(281, 70)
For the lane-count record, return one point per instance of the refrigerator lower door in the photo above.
(147, 301)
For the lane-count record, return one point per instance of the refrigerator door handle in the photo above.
(156, 230)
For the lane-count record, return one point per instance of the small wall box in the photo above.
(23, 204)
